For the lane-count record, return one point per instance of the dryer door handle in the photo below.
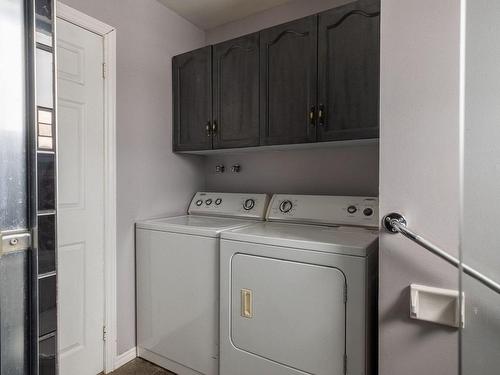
(246, 303)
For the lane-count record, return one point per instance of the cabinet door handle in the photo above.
(214, 127)
(208, 128)
(312, 115)
(321, 115)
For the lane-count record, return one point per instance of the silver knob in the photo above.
(208, 202)
(286, 206)
(199, 202)
(249, 204)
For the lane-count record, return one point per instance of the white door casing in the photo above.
(81, 199)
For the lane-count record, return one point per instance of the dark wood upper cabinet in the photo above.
(313, 79)
(192, 100)
(288, 68)
(236, 92)
(348, 71)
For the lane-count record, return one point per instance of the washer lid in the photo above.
(207, 226)
(340, 240)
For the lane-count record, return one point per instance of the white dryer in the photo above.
(299, 292)
(177, 273)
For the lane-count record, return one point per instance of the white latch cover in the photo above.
(441, 306)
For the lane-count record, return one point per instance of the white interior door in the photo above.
(81, 200)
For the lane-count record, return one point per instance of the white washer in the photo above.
(177, 266)
(299, 292)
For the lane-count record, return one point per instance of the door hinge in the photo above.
(103, 70)
(345, 364)
(345, 293)
(104, 333)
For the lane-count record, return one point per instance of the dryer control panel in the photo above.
(324, 209)
(251, 206)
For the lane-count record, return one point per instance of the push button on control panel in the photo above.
(352, 209)
(286, 206)
(249, 204)
(208, 202)
(368, 211)
(218, 201)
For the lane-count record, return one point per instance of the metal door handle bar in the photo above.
(396, 223)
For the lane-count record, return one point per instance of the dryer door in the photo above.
(290, 313)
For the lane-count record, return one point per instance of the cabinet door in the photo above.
(349, 64)
(288, 82)
(236, 92)
(192, 100)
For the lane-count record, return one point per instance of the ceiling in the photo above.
(208, 14)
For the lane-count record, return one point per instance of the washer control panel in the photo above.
(253, 206)
(324, 209)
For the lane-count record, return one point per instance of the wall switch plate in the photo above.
(441, 306)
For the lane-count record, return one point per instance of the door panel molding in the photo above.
(288, 92)
(236, 85)
(192, 100)
(349, 46)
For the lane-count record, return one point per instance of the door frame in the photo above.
(108, 33)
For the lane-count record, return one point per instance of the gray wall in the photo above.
(287, 12)
(419, 176)
(151, 180)
(349, 170)
(481, 185)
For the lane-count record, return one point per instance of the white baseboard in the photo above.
(125, 358)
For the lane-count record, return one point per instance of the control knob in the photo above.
(286, 206)
(352, 209)
(249, 204)
(218, 201)
(208, 202)
(199, 202)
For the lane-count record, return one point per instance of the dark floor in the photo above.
(141, 367)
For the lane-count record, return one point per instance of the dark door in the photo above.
(192, 100)
(288, 82)
(349, 61)
(236, 92)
